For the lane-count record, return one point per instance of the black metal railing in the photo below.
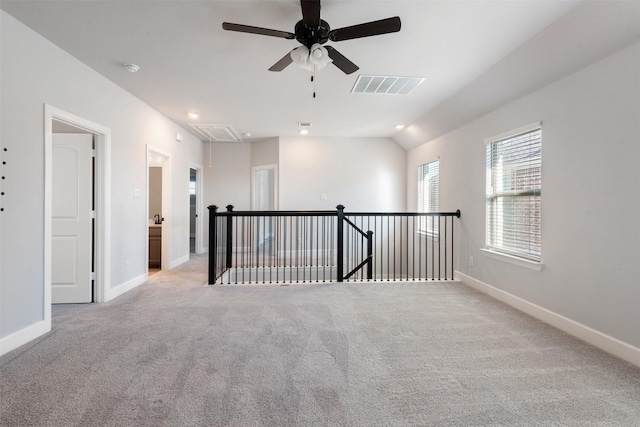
(322, 246)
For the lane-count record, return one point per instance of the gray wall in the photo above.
(227, 180)
(265, 152)
(363, 174)
(35, 72)
(590, 195)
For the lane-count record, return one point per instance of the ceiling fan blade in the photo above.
(282, 64)
(341, 61)
(311, 13)
(374, 28)
(257, 30)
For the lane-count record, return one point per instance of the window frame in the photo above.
(506, 251)
(426, 226)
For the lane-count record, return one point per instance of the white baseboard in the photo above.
(126, 286)
(23, 336)
(596, 338)
(177, 262)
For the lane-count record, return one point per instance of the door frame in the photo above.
(198, 168)
(165, 263)
(102, 194)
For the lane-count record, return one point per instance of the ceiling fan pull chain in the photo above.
(313, 80)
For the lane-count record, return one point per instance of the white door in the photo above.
(71, 243)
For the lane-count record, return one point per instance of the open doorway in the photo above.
(265, 191)
(158, 205)
(155, 218)
(265, 198)
(195, 209)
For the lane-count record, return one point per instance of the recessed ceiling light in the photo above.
(193, 115)
(304, 131)
(132, 68)
(399, 127)
(247, 134)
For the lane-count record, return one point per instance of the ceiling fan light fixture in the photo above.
(300, 57)
(307, 59)
(319, 56)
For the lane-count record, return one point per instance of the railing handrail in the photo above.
(330, 213)
(456, 213)
(276, 213)
(242, 234)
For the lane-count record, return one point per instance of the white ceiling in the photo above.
(188, 63)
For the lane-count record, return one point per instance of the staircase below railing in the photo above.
(322, 246)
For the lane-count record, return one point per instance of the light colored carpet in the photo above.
(176, 352)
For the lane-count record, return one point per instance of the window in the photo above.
(514, 169)
(428, 189)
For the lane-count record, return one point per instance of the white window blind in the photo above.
(428, 190)
(514, 177)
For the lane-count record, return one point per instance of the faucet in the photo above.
(157, 218)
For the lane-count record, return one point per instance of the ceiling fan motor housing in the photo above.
(309, 36)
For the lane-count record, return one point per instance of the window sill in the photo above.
(522, 262)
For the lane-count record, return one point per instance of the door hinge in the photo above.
(92, 215)
(92, 276)
(93, 152)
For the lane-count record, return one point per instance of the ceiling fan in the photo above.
(312, 32)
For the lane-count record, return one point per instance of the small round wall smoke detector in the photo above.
(132, 68)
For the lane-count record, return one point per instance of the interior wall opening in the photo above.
(158, 209)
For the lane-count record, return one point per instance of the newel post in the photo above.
(369, 255)
(213, 240)
(340, 243)
(229, 237)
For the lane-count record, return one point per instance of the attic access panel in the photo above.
(216, 133)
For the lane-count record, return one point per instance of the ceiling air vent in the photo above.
(216, 133)
(386, 85)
